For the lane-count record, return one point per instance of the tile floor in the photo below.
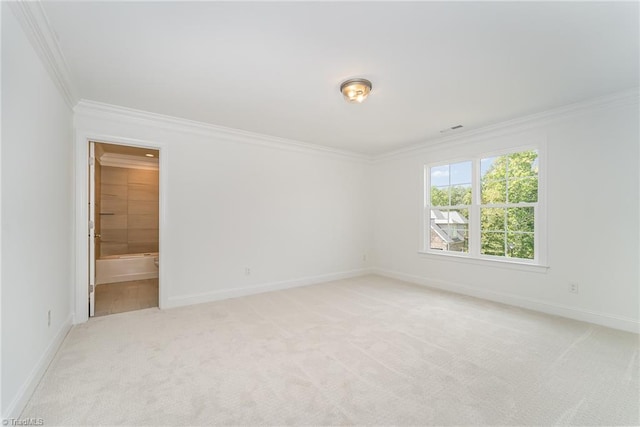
(119, 297)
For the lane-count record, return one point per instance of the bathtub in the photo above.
(124, 268)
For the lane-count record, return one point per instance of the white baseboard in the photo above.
(603, 319)
(180, 301)
(23, 395)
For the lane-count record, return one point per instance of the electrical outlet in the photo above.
(573, 287)
(247, 271)
(49, 318)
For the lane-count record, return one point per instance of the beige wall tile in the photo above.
(143, 192)
(111, 175)
(118, 235)
(107, 249)
(98, 204)
(114, 206)
(143, 207)
(113, 221)
(131, 196)
(143, 221)
(139, 248)
(112, 191)
(138, 235)
(140, 176)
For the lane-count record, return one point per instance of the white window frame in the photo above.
(474, 255)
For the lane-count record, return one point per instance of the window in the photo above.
(485, 207)
(450, 203)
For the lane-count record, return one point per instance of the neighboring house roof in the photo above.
(441, 233)
(447, 234)
(454, 217)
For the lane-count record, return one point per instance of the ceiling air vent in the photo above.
(456, 127)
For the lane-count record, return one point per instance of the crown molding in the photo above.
(628, 97)
(35, 24)
(33, 19)
(101, 110)
(123, 114)
(127, 161)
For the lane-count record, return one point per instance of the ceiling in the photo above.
(275, 67)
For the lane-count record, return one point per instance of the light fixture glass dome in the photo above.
(355, 90)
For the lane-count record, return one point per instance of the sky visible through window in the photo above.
(460, 173)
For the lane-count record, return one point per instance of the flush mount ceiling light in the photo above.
(355, 90)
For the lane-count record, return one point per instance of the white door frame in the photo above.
(92, 228)
(81, 181)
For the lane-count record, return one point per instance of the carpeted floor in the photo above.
(362, 351)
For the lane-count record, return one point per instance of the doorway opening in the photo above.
(123, 228)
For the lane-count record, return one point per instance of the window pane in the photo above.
(438, 215)
(437, 234)
(520, 219)
(459, 216)
(492, 219)
(449, 230)
(486, 165)
(523, 190)
(435, 240)
(493, 168)
(440, 196)
(458, 230)
(461, 195)
(460, 173)
(523, 164)
(492, 243)
(440, 176)
(520, 245)
(494, 192)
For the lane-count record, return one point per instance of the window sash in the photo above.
(474, 224)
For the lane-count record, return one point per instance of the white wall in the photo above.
(294, 216)
(37, 216)
(291, 216)
(592, 201)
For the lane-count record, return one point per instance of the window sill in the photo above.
(509, 265)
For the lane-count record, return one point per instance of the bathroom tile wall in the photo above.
(98, 201)
(129, 211)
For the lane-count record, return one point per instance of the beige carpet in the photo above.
(362, 351)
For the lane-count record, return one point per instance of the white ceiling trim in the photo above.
(32, 17)
(127, 161)
(129, 115)
(628, 97)
(35, 24)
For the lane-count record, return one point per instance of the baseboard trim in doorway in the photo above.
(23, 395)
(260, 288)
(602, 319)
